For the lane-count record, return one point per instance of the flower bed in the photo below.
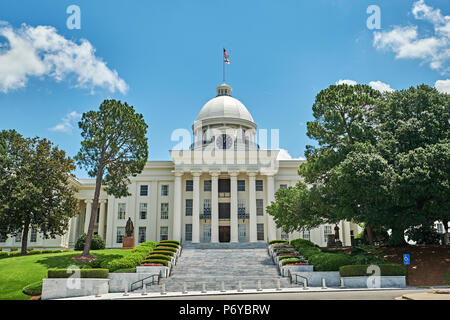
(152, 265)
(298, 264)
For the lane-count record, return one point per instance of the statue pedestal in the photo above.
(128, 242)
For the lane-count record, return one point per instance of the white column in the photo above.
(177, 207)
(214, 207)
(109, 237)
(252, 205)
(73, 230)
(196, 208)
(271, 228)
(233, 208)
(87, 217)
(101, 219)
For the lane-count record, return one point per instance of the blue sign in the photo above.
(406, 258)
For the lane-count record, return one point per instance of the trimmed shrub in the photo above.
(35, 252)
(278, 241)
(84, 273)
(165, 253)
(329, 261)
(97, 243)
(15, 253)
(165, 249)
(291, 260)
(163, 262)
(285, 250)
(171, 241)
(159, 256)
(126, 270)
(132, 260)
(303, 243)
(33, 289)
(361, 270)
(149, 244)
(280, 258)
(164, 245)
(4, 254)
(278, 246)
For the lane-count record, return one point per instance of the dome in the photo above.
(224, 107)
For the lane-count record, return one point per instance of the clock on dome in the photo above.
(224, 141)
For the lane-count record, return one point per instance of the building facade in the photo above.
(216, 190)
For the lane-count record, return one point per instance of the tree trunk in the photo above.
(90, 233)
(26, 227)
(369, 234)
(397, 238)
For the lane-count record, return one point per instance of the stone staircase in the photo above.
(210, 264)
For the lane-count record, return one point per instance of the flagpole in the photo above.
(223, 64)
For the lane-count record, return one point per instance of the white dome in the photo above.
(224, 106)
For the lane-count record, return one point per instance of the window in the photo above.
(207, 206)
(164, 211)
(144, 191)
(260, 231)
(122, 211)
(164, 233)
(283, 186)
(188, 232)
(207, 185)
(98, 213)
(259, 185)
(19, 237)
(143, 211)
(142, 234)
(440, 228)
(188, 207)
(306, 235)
(164, 190)
(33, 235)
(241, 185)
(120, 234)
(326, 232)
(259, 207)
(189, 185)
(241, 207)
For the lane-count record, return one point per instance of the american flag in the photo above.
(226, 56)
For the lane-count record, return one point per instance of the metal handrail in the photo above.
(142, 281)
(296, 276)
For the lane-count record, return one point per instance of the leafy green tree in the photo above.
(35, 187)
(113, 149)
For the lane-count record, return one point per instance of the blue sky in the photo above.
(167, 55)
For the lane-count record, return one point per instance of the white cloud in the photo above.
(41, 51)
(380, 86)
(284, 155)
(67, 123)
(407, 43)
(348, 82)
(377, 85)
(443, 86)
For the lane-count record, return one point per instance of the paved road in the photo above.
(345, 295)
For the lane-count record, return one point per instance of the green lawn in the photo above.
(17, 272)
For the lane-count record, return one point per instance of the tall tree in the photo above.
(113, 149)
(35, 191)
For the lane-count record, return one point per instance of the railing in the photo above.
(141, 282)
(293, 278)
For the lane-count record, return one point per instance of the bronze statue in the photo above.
(129, 228)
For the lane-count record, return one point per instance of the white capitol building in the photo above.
(216, 191)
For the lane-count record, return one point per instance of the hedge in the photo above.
(126, 270)
(165, 249)
(84, 273)
(278, 241)
(284, 250)
(291, 260)
(280, 258)
(15, 253)
(329, 261)
(302, 243)
(170, 241)
(4, 254)
(134, 259)
(361, 270)
(447, 277)
(166, 253)
(33, 289)
(163, 262)
(159, 256)
(170, 245)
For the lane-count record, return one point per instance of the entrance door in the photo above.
(224, 210)
(242, 232)
(224, 234)
(206, 232)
